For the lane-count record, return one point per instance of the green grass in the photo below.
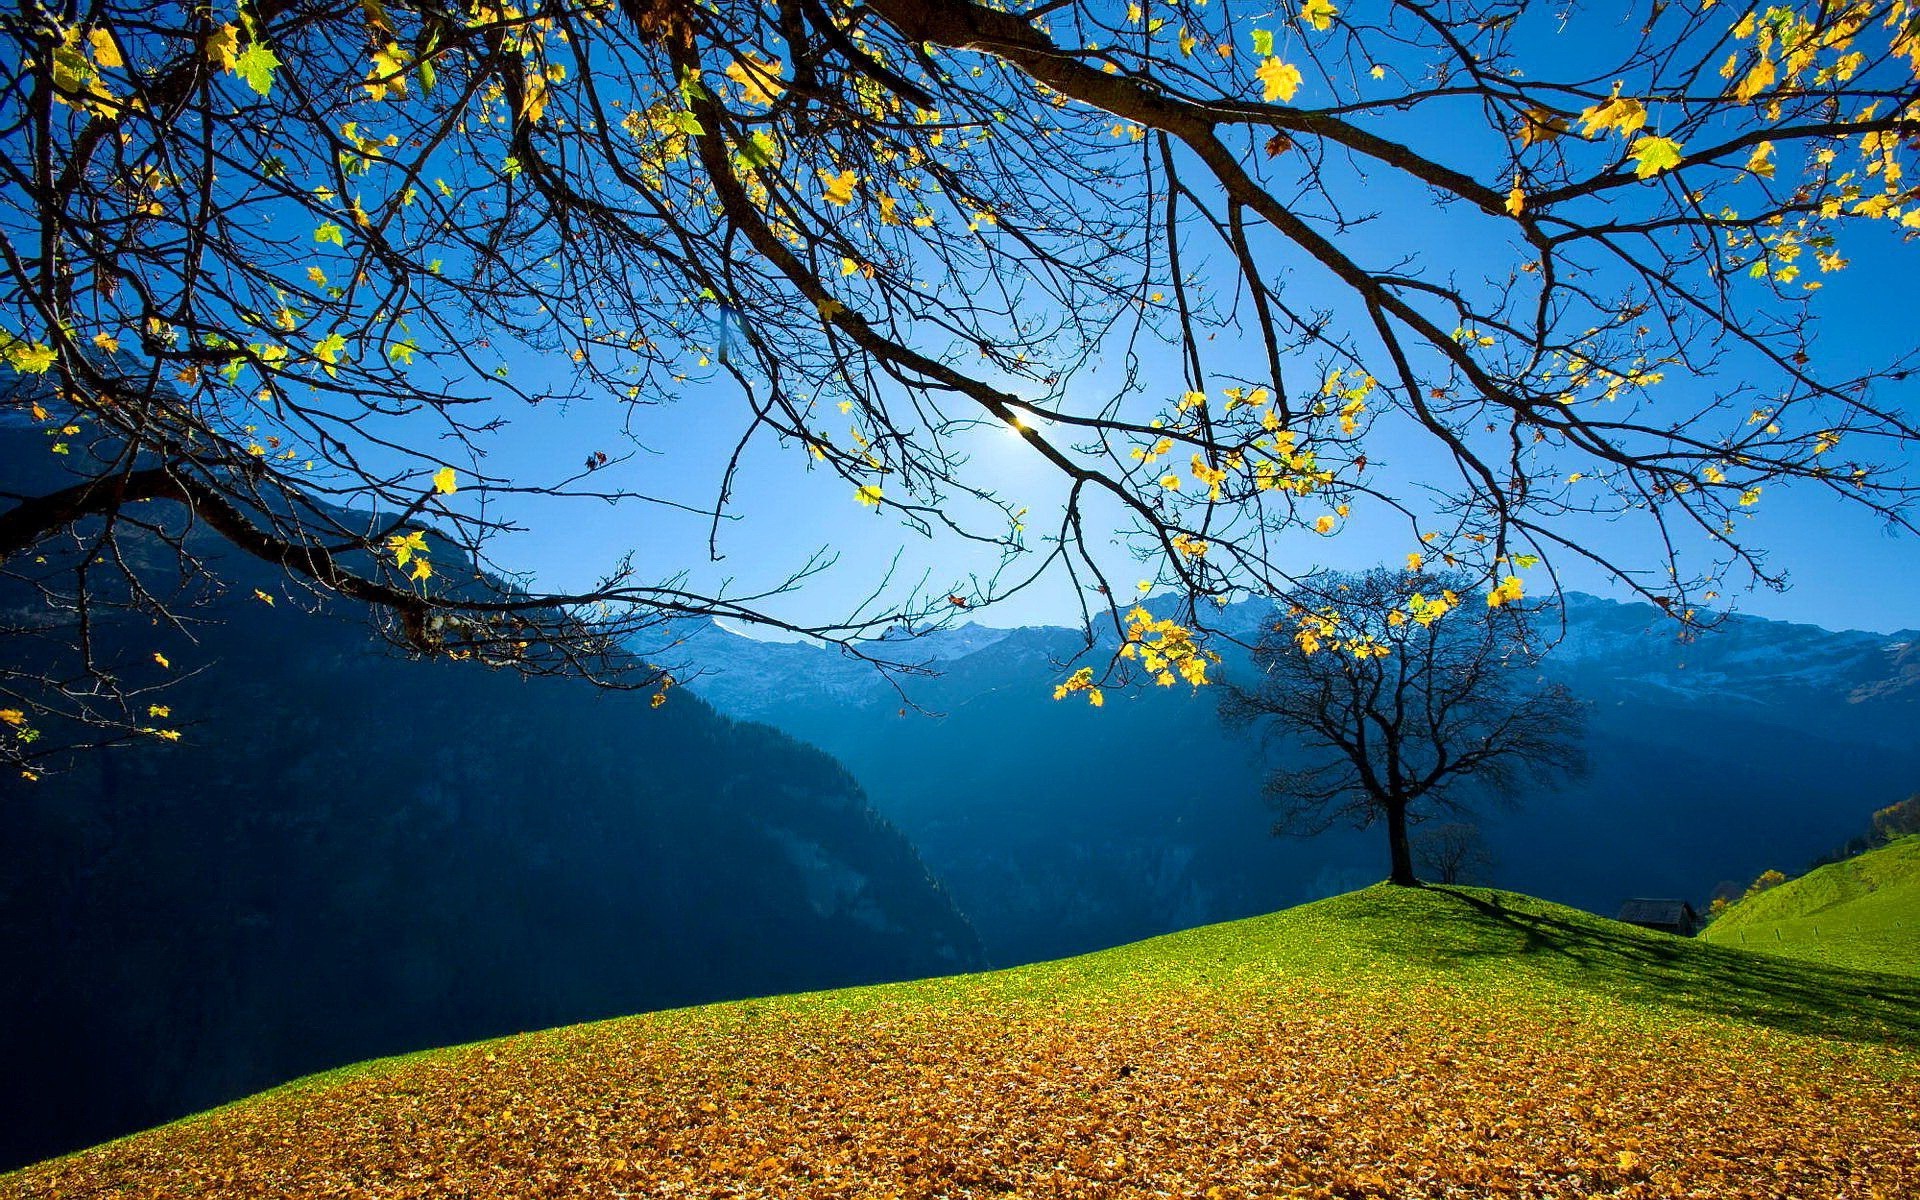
(1385, 937)
(1862, 913)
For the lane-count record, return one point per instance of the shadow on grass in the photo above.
(1470, 927)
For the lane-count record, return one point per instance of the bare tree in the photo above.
(1453, 852)
(1392, 714)
(281, 268)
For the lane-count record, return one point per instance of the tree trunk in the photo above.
(1397, 841)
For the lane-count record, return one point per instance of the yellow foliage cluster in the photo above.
(1166, 649)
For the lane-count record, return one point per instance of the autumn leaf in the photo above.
(445, 481)
(869, 494)
(328, 348)
(30, 358)
(1653, 155)
(758, 78)
(256, 65)
(1280, 79)
(223, 46)
(1319, 14)
(1539, 125)
(1617, 112)
(105, 52)
(839, 190)
(1516, 199)
(263, 597)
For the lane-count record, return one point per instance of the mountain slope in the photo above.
(1861, 912)
(1389, 1042)
(348, 855)
(1060, 827)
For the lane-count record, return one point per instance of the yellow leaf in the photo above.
(759, 79)
(1617, 112)
(1760, 162)
(1756, 80)
(263, 597)
(161, 659)
(840, 187)
(104, 51)
(13, 717)
(159, 710)
(1318, 13)
(445, 481)
(1540, 124)
(1281, 80)
(1324, 525)
(1653, 155)
(1415, 561)
(223, 46)
(534, 104)
(869, 494)
(1516, 199)
(1509, 591)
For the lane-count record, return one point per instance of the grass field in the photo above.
(1389, 1042)
(1863, 912)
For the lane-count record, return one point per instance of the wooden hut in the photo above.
(1668, 916)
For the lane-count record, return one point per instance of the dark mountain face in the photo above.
(1061, 828)
(347, 855)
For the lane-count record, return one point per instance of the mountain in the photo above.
(1393, 1042)
(346, 855)
(1061, 828)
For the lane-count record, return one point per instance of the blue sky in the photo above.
(1846, 568)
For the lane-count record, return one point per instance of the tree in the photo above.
(1397, 715)
(278, 272)
(1453, 852)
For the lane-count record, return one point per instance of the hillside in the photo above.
(1386, 1042)
(347, 855)
(1861, 912)
(1713, 759)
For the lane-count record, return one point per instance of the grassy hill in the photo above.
(1863, 912)
(1434, 1042)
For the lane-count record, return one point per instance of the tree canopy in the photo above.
(1238, 277)
(1391, 710)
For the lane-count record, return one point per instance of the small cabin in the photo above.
(1668, 916)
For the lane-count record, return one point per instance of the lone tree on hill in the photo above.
(1397, 714)
(287, 271)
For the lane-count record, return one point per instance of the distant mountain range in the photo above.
(1061, 828)
(347, 855)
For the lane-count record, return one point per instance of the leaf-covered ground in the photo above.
(1862, 912)
(1386, 1043)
